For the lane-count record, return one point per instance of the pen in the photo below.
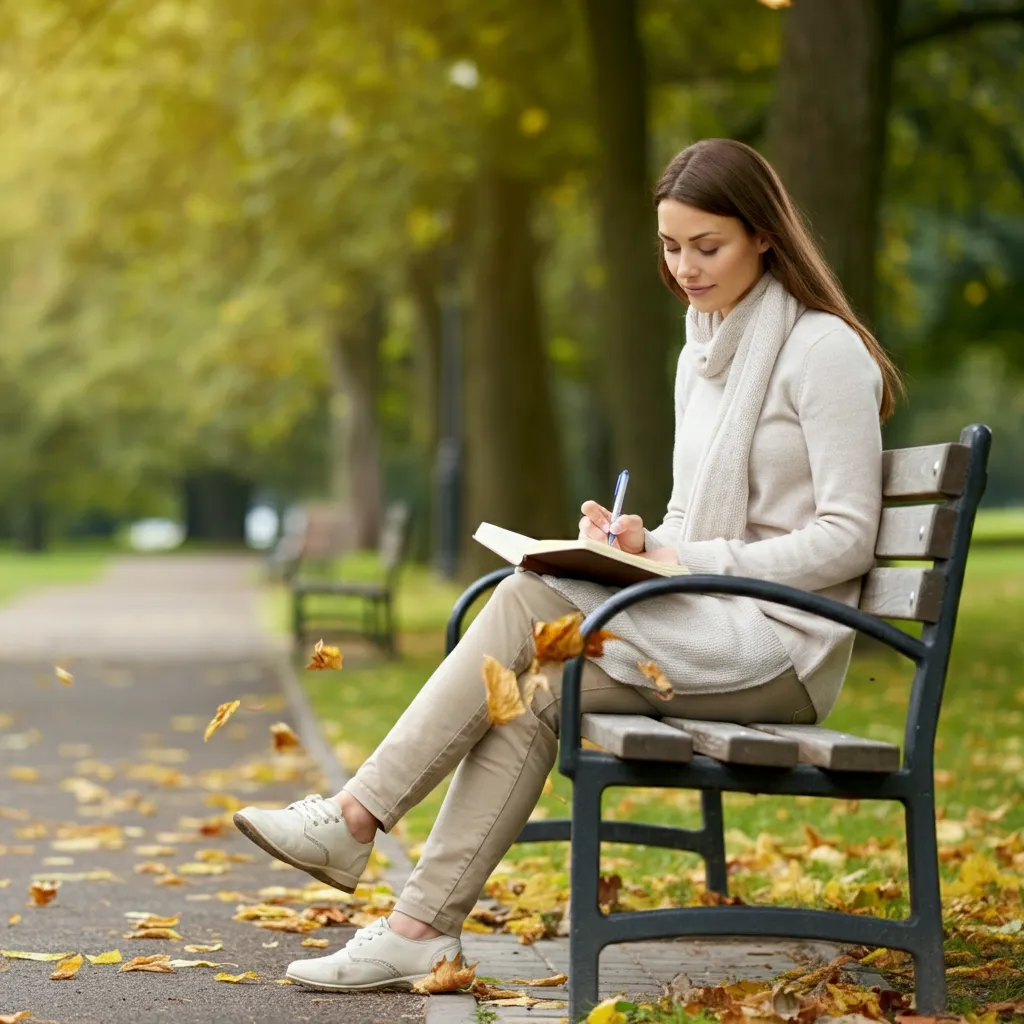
(620, 495)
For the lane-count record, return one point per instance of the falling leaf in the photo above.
(15, 954)
(63, 675)
(43, 892)
(536, 680)
(503, 700)
(224, 712)
(446, 976)
(67, 969)
(325, 657)
(160, 963)
(14, 919)
(214, 947)
(236, 978)
(315, 943)
(662, 687)
(113, 957)
(284, 738)
(561, 640)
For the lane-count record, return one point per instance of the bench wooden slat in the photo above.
(726, 741)
(916, 531)
(903, 594)
(934, 471)
(637, 738)
(840, 751)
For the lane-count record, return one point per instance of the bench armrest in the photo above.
(708, 583)
(466, 598)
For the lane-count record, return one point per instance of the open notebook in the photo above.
(578, 559)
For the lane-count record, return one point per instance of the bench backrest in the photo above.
(324, 536)
(931, 496)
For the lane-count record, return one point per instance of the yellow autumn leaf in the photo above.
(607, 1012)
(198, 963)
(224, 712)
(315, 943)
(153, 933)
(503, 700)
(43, 892)
(662, 687)
(64, 675)
(67, 969)
(446, 976)
(236, 978)
(113, 957)
(15, 1018)
(143, 919)
(213, 947)
(536, 680)
(23, 773)
(284, 738)
(13, 919)
(561, 640)
(17, 954)
(553, 982)
(325, 657)
(157, 964)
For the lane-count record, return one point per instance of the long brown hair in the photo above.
(729, 179)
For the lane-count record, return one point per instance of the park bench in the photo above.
(931, 495)
(321, 539)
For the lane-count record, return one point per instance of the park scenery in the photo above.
(296, 293)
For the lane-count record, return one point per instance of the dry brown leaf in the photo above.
(224, 712)
(153, 933)
(158, 964)
(151, 867)
(535, 681)
(112, 957)
(325, 657)
(504, 703)
(553, 982)
(64, 675)
(561, 640)
(663, 689)
(446, 976)
(294, 926)
(43, 892)
(284, 738)
(315, 943)
(1002, 967)
(213, 947)
(484, 990)
(67, 969)
(608, 889)
(170, 879)
(327, 915)
(236, 978)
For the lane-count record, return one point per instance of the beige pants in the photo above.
(500, 770)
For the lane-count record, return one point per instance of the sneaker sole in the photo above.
(246, 827)
(402, 984)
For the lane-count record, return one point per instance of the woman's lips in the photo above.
(698, 291)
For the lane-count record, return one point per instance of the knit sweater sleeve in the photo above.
(837, 401)
(667, 534)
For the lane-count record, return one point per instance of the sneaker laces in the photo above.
(316, 809)
(371, 931)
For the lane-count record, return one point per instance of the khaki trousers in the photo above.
(500, 770)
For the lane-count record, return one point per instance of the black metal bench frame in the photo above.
(912, 784)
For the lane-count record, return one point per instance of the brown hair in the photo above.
(730, 179)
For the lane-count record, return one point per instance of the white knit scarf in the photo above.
(743, 346)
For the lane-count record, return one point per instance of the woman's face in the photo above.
(714, 259)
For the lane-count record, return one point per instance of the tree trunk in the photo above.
(215, 504)
(827, 133)
(513, 460)
(354, 349)
(636, 375)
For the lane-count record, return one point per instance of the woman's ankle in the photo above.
(361, 823)
(411, 928)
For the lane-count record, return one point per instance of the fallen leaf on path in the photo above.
(199, 963)
(96, 875)
(325, 657)
(13, 919)
(153, 933)
(151, 867)
(144, 919)
(111, 957)
(63, 675)
(224, 712)
(17, 954)
(447, 976)
(561, 640)
(663, 689)
(157, 964)
(296, 926)
(23, 773)
(213, 947)
(284, 738)
(484, 990)
(200, 868)
(14, 1018)
(553, 982)
(236, 978)
(150, 850)
(503, 700)
(67, 969)
(315, 943)
(43, 892)
(170, 879)
(607, 1012)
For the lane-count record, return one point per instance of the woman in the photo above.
(776, 474)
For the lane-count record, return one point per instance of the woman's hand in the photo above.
(667, 555)
(627, 530)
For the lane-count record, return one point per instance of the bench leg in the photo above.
(926, 905)
(584, 874)
(715, 878)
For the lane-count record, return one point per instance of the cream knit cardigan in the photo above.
(814, 503)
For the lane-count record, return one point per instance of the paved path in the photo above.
(155, 646)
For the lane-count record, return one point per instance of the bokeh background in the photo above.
(261, 253)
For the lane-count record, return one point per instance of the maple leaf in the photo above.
(561, 640)
(325, 657)
(43, 892)
(503, 700)
(446, 976)
(63, 675)
(284, 738)
(224, 712)
(67, 969)
(663, 689)
(157, 964)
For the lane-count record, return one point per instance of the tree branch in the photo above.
(954, 24)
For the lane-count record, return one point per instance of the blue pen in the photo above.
(620, 496)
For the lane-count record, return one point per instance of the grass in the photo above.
(1000, 526)
(21, 572)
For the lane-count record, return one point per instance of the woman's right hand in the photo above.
(629, 529)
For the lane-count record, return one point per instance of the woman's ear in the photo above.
(763, 245)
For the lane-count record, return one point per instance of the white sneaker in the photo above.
(309, 834)
(375, 957)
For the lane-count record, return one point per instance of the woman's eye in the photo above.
(669, 248)
(708, 252)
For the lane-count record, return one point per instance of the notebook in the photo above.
(578, 559)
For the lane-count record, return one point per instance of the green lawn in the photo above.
(20, 572)
(979, 771)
